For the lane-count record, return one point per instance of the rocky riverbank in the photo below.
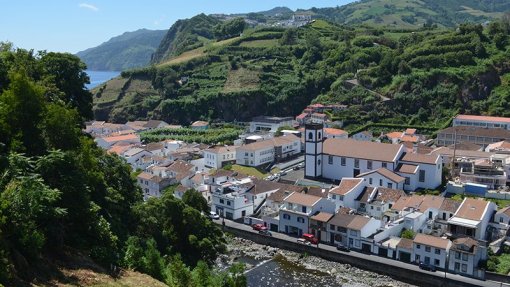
(239, 250)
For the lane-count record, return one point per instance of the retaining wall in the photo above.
(399, 273)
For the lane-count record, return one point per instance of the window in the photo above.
(384, 165)
(464, 257)
(464, 267)
(427, 260)
(286, 216)
(333, 196)
(417, 257)
(378, 209)
(457, 266)
(436, 262)
(303, 209)
(356, 163)
(371, 207)
(320, 135)
(427, 248)
(319, 162)
(228, 202)
(353, 233)
(422, 175)
(380, 182)
(370, 181)
(437, 251)
(501, 220)
(418, 246)
(331, 227)
(310, 135)
(390, 185)
(408, 181)
(300, 219)
(369, 164)
(330, 159)
(342, 161)
(222, 201)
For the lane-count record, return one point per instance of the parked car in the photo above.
(303, 241)
(427, 266)
(297, 167)
(258, 227)
(213, 215)
(342, 247)
(310, 238)
(265, 232)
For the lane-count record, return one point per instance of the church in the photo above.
(380, 164)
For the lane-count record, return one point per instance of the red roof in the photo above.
(301, 116)
(332, 131)
(482, 118)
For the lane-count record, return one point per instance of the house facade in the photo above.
(482, 121)
(269, 124)
(217, 157)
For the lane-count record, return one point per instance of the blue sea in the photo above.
(99, 77)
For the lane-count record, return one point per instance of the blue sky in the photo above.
(72, 26)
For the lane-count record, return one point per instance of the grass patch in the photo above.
(503, 266)
(241, 80)
(110, 91)
(248, 170)
(260, 43)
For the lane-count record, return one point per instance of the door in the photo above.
(356, 172)
(404, 256)
(332, 238)
(366, 248)
(383, 252)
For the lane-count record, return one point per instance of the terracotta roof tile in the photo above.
(386, 173)
(482, 118)
(405, 243)
(346, 185)
(322, 217)
(420, 158)
(407, 168)
(362, 149)
(302, 199)
(430, 240)
(472, 209)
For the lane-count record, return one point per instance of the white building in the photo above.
(472, 219)
(482, 121)
(363, 136)
(271, 124)
(107, 142)
(345, 194)
(335, 133)
(297, 209)
(219, 156)
(382, 177)
(465, 257)
(152, 185)
(268, 151)
(350, 230)
(334, 159)
(431, 250)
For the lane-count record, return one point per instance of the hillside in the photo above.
(185, 35)
(414, 13)
(279, 71)
(129, 50)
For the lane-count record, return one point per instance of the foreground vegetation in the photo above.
(59, 191)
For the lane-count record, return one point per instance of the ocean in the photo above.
(99, 77)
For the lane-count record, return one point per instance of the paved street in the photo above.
(373, 257)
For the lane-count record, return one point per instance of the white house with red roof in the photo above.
(107, 142)
(345, 194)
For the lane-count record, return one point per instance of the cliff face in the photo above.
(185, 35)
(129, 50)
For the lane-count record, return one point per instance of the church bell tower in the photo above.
(314, 137)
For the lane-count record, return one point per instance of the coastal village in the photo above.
(400, 195)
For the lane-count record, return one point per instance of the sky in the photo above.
(72, 26)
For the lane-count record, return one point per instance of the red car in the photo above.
(258, 227)
(310, 238)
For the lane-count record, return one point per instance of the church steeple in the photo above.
(314, 137)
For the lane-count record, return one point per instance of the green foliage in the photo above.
(230, 28)
(407, 233)
(209, 136)
(289, 37)
(195, 199)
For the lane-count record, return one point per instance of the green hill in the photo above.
(129, 50)
(185, 35)
(414, 13)
(428, 75)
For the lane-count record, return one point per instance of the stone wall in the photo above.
(398, 273)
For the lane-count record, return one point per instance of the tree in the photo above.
(152, 263)
(21, 111)
(500, 40)
(407, 233)
(289, 37)
(230, 28)
(195, 199)
(177, 273)
(66, 72)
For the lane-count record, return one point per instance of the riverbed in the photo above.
(269, 266)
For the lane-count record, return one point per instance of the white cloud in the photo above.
(88, 6)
